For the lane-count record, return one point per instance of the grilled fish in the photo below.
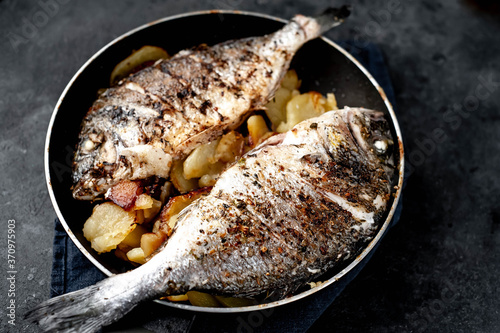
(286, 212)
(135, 129)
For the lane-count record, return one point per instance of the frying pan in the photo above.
(321, 64)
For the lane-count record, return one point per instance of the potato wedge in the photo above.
(136, 255)
(127, 66)
(175, 205)
(302, 107)
(202, 299)
(257, 128)
(108, 226)
(150, 242)
(275, 108)
(178, 298)
(133, 239)
(143, 201)
(199, 161)
(180, 182)
(151, 212)
(290, 80)
(331, 102)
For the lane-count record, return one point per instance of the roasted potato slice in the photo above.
(230, 147)
(257, 129)
(199, 162)
(290, 80)
(149, 206)
(202, 299)
(331, 102)
(276, 108)
(136, 255)
(150, 242)
(180, 182)
(127, 66)
(125, 193)
(133, 239)
(302, 107)
(175, 205)
(108, 226)
(178, 298)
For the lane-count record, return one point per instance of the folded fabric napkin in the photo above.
(72, 271)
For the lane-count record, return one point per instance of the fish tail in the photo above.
(89, 309)
(332, 17)
(313, 27)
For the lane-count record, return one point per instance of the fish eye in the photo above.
(380, 146)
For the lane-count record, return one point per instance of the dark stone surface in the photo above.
(437, 270)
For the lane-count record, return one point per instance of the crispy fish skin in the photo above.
(135, 129)
(289, 210)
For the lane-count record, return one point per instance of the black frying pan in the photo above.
(321, 65)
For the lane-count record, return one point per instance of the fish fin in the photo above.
(88, 309)
(332, 17)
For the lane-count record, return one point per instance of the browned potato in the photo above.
(200, 161)
(202, 299)
(331, 102)
(178, 298)
(276, 108)
(108, 226)
(136, 255)
(302, 107)
(125, 193)
(150, 242)
(175, 205)
(133, 239)
(144, 55)
(290, 80)
(209, 178)
(180, 182)
(149, 206)
(257, 129)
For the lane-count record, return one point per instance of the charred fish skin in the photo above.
(284, 214)
(135, 129)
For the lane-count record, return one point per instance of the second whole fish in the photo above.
(286, 212)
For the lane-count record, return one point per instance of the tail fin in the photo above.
(89, 309)
(332, 17)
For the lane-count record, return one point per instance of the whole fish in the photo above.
(286, 212)
(135, 129)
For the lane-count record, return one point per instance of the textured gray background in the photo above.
(435, 271)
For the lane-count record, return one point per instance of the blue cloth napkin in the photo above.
(72, 271)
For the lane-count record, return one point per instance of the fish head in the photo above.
(371, 133)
